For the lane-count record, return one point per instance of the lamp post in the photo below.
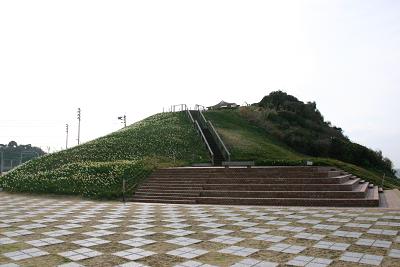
(79, 125)
(66, 139)
(2, 161)
(123, 120)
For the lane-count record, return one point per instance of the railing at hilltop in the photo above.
(200, 123)
(184, 108)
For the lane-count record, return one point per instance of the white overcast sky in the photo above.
(136, 57)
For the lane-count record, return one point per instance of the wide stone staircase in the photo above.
(286, 186)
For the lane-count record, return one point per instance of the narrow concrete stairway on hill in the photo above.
(291, 186)
(218, 157)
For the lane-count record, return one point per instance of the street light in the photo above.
(79, 125)
(66, 139)
(2, 161)
(122, 119)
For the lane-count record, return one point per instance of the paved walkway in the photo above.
(45, 231)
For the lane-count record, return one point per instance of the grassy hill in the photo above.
(248, 141)
(96, 168)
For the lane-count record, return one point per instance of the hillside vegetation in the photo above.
(302, 127)
(247, 140)
(96, 168)
(13, 154)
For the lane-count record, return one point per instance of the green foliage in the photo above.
(14, 154)
(89, 179)
(247, 140)
(302, 127)
(96, 169)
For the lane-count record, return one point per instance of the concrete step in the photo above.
(347, 186)
(335, 180)
(157, 200)
(245, 175)
(360, 193)
(305, 186)
(328, 202)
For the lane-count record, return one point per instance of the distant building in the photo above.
(223, 104)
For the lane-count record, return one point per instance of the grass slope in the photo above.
(96, 168)
(246, 141)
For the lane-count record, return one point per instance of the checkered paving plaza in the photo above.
(48, 231)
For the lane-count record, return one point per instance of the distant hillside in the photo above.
(398, 173)
(302, 127)
(246, 140)
(96, 168)
(14, 154)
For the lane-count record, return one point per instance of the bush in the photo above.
(96, 169)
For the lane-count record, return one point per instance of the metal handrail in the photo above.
(205, 141)
(220, 141)
(190, 115)
(197, 106)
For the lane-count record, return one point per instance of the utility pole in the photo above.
(123, 120)
(2, 161)
(79, 125)
(66, 140)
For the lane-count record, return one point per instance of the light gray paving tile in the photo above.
(58, 233)
(179, 232)
(132, 264)
(394, 253)
(90, 242)
(374, 243)
(25, 254)
(141, 226)
(192, 263)
(308, 221)
(32, 226)
(140, 233)
(358, 225)
(9, 265)
(71, 264)
(254, 263)
(276, 222)
(105, 226)
(361, 258)
(382, 232)
(183, 241)
(226, 239)
(270, 238)
(212, 225)
(137, 242)
(6, 241)
(292, 229)
(80, 254)
(187, 252)
(177, 225)
(17, 233)
(218, 231)
(44, 242)
(238, 251)
(69, 226)
(347, 234)
(309, 236)
(329, 227)
(332, 245)
(256, 230)
(309, 261)
(98, 233)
